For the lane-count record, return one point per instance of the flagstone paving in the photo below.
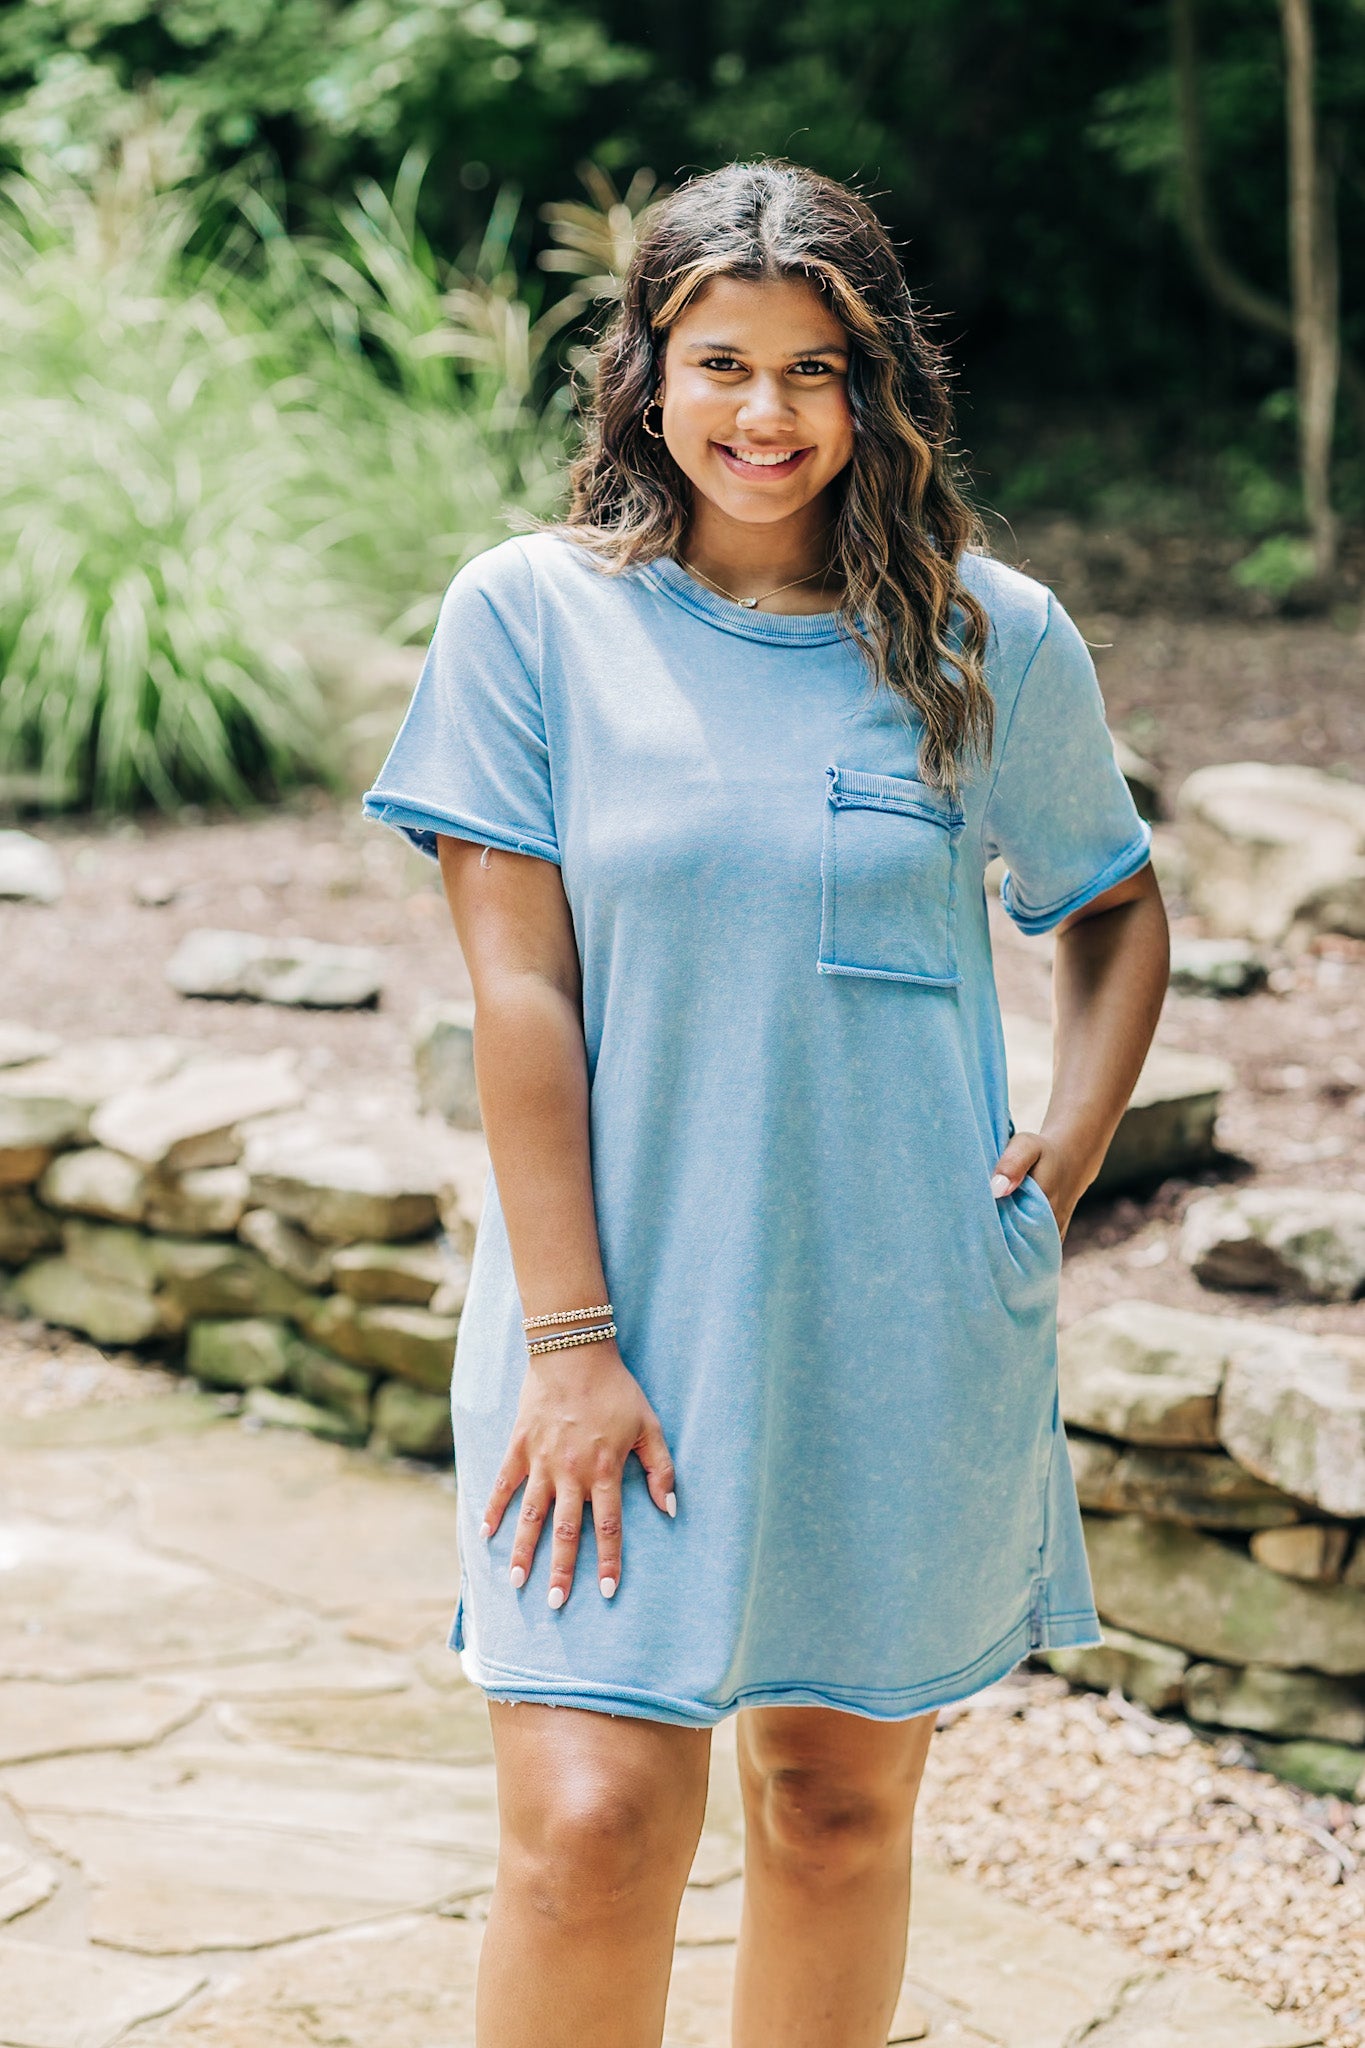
(246, 1797)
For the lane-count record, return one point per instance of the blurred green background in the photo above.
(292, 293)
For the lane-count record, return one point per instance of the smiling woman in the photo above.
(761, 1329)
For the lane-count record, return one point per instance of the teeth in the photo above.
(760, 461)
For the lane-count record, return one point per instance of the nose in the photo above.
(764, 404)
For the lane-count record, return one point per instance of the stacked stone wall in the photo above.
(306, 1253)
(1220, 1463)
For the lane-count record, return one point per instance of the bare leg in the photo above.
(829, 1803)
(600, 1819)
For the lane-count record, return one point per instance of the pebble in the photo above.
(1182, 1851)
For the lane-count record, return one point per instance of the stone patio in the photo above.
(248, 1799)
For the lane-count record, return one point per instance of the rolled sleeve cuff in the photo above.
(421, 826)
(1133, 857)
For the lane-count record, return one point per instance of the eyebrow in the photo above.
(732, 348)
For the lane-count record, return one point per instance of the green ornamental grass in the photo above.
(206, 459)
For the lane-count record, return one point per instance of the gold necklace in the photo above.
(748, 603)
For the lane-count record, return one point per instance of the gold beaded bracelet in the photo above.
(571, 1339)
(568, 1315)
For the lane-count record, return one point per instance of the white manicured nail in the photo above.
(1000, 1185)
(608, 1587)
(485, 1530)
(518, 1576)
(557, 1596)
(670, 1503)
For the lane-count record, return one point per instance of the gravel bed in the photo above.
(1093, 1812)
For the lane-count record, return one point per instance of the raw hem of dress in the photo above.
(1053, 1632)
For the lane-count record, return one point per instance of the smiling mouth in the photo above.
(762, 462)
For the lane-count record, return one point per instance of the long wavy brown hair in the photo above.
(902, 522)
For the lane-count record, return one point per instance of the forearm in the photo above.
(532, 1072)
(1109, 979)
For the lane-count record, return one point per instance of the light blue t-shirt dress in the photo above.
(798, 1098)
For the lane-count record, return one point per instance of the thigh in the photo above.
(820, 1750)
(564, 1772)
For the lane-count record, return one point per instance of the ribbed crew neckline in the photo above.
(782, 629)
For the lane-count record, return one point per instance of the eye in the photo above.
(722, 363)
(813, 366)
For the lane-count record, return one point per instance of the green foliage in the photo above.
(206, 456)
(1282, 564)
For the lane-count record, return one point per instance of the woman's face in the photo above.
(755, 397)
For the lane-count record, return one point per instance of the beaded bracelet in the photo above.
(570, 1339)
(568, 1315)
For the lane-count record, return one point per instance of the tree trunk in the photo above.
(1224, 284)
(1316, 286)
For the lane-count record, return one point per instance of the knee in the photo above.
(826, 1827)
(587, 1847)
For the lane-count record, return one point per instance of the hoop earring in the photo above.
(655, 433)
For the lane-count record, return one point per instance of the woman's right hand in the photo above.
(581, 1415)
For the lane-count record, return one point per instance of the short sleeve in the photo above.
(471, 759)
(1059, 810)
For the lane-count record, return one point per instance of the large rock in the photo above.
(266, 1409)
(1147, 1373)
(251, 1351)
(1204, 1489)
(61, 1292)
(1268, 1702)
(1216, 967)
(1168, 1126)
(1293, 1411)
(47, 1104)
(390, 1272)
(443, 1058)
(464, 1185)
(94, 1182)
(20, 1043)
(26, 1229)
(1302, 1241)
(194, 1118)
(411, 1424)
(30, 871)
(287, 1248)
(1153, 1673)
(1314, 1551)
(208, 1201)
(328, 1383)
(205, 1277)
(1179, 1586)
(1274, 852)
(348, 1180)
(412, 1343)
(113, 1251)
(297, 973)
(1329, 1769)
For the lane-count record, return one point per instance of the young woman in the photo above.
(755, 1392)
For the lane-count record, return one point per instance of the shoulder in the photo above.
(1020, 608)
(515, 575)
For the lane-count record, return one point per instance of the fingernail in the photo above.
(557, 1596)
(1000, 1185)
(518, 1576)
(485, 1530)
(670, 1503)
(608, 1587)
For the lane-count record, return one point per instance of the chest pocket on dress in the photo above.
(888, 871)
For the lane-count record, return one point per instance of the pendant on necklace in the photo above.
(748, 603)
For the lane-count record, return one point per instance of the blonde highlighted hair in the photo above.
(902, 522)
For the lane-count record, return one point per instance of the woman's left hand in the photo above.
(1048, 1162)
